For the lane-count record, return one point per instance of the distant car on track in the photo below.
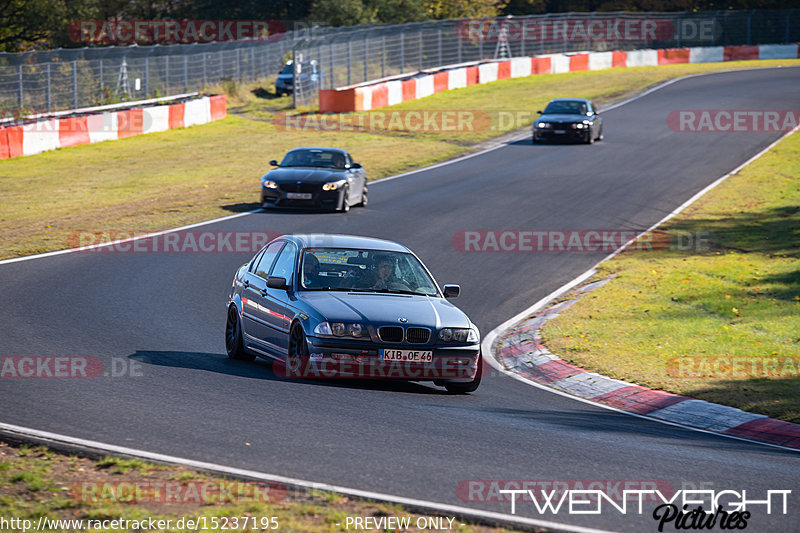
(347, 306)
(573, 119)
(321, 178)
(311, 77)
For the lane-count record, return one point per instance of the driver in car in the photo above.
(311, 271)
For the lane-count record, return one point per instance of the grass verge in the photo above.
(163, 180)
(38, 482)
(720, 322)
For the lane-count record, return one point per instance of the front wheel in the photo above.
(233, 337)
(297, 356)
(345, 204)
(364, 199)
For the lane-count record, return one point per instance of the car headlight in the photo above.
(333, 185)
(578, 126)
(269, 184)
(340, 329)
(543, 125)
(323, 328)
(470, 335)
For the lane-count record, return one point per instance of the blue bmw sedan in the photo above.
(343, 306)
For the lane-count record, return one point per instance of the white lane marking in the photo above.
(381, 180)
(502, 329)
(252, 474)
(129, 239)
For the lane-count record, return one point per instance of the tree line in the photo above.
(43, 24)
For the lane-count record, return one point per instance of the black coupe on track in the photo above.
(320, 178)
(568, 119)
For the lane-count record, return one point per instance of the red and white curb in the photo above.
(521, 351)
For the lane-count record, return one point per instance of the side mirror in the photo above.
(451, 291)
(540, 111)
(275, 282)
(273, 162)
(355, 165)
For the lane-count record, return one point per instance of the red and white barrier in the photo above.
(370, 96)
(50, 134)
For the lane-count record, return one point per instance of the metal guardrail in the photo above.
(70, 78)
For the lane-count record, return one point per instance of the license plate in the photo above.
(417, 356)
(298, 195)
(559, 131)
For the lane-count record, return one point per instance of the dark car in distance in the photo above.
(310, 75)
(348, 306)
(568, 119)
(320, 178)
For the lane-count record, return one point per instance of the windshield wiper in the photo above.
(390, 291)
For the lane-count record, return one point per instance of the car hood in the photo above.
(304, 174)
(386, 309)
(562, 118)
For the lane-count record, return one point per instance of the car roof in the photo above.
(571, 100)
(317, 148)
(326, 240)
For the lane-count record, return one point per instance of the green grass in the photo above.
(39, 485)
(163, 180)
(668, 312)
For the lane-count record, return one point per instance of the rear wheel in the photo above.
(233, 337)
(297, 356)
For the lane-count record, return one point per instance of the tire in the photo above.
(345, 204)
(297, 354)
(467, 386)
(600, 138)
(589, 137)
(534, 140)
(233, 337)
(364, 199)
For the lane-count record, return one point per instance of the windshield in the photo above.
(287, 69)
(568, 107)
(346, 269)
(314, 157)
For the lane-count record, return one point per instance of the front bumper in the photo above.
(320, 199)
(346, 358)
(560, 134)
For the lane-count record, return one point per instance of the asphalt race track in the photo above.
(167, 312)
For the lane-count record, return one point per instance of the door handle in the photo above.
(246, 283)
(264, 292)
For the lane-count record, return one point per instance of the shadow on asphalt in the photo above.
(263, 369)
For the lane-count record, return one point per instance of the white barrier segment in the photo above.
(155, 119)
(520, 67)
(457, 78)
(777, 51)
(601, 60)
(366, 98)
(424, 86)
(395, 90)
(487, 72)
(559, 63)
(102, 127)
(642, 58)
(40, 136)
(706, 54)
(197, 112)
